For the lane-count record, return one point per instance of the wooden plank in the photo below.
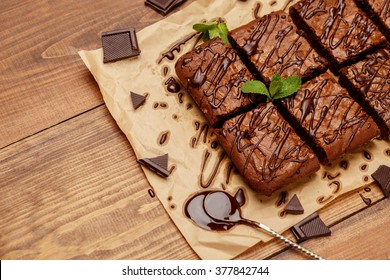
(42, 79)
(75, 192)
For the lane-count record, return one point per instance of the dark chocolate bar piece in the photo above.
(158, 165)
(164, 6)
(119, 44)
(382, 177)
(294, 206)
(310, 227)
(137, 99)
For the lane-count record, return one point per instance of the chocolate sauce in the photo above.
(218, 202)
(344, 164)
(214, 144)
(282, 199)
(172, 206)
(363, 167)
(204, 131)
(180, 96)
(367, 155)
(165, 71)
(323, 199)
(332, 177)
(366, 178)
(387, 152)
(164, 137)
(366, 200)
(173, 167)
(240, 197)
(176, 47)
(151, 193)
(206, 158)
(228, 173)
(172, 85)
(189, 106)
(174, 116)
(256, 10)
(161, 105)
(367, 189)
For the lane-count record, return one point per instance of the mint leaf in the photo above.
(290, 85)
(278, 88)
(255, 87)
(213, 29)
(205, 26)
(276, 85)
(223, 32)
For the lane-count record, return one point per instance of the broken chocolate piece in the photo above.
(294, 206)
(310, 227)
(158, 165)
(382, 177)
(164, 6)
(137, 99)
(119, 44)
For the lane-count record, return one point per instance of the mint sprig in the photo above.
(278, 88)
(213, 29)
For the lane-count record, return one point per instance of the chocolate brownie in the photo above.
(379, 12)
(265, 149)
(213, 74)
(368, 81)
(338, 29)
(328, 118)
(271, 44)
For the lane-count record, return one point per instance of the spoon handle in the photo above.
(286, 240)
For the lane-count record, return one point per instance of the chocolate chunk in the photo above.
(137, 99)
(119, 44)
(310, 227)
(294, 206)
(164, 6)
(382, 177)
(158, 165)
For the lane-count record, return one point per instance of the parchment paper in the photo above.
(196, 161)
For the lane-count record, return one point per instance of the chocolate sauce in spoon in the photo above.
(221, 206)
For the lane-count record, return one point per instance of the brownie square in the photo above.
(369, 82)
(213, 75)
(272, 44)
(328, 118)
(265, 149)
(338, 29)
(379, 12)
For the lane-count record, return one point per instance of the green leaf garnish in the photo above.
(278, 88)
(213, 29)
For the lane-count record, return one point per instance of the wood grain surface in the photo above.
(70, 185)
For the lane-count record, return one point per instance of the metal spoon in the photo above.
(221, 206)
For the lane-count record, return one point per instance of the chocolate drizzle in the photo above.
(330, 117)
(344, 26)
(164, 137)
(205, 183)
(274, 46)
(265, 145)
(176, 47)
(371, 78)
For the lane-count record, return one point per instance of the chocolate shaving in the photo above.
(137, 99)
(158, 165)
(382, 177)
(119, 44)
(294, 206)
(163, 6)
(310, 227)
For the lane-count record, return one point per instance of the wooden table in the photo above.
(70, 186)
